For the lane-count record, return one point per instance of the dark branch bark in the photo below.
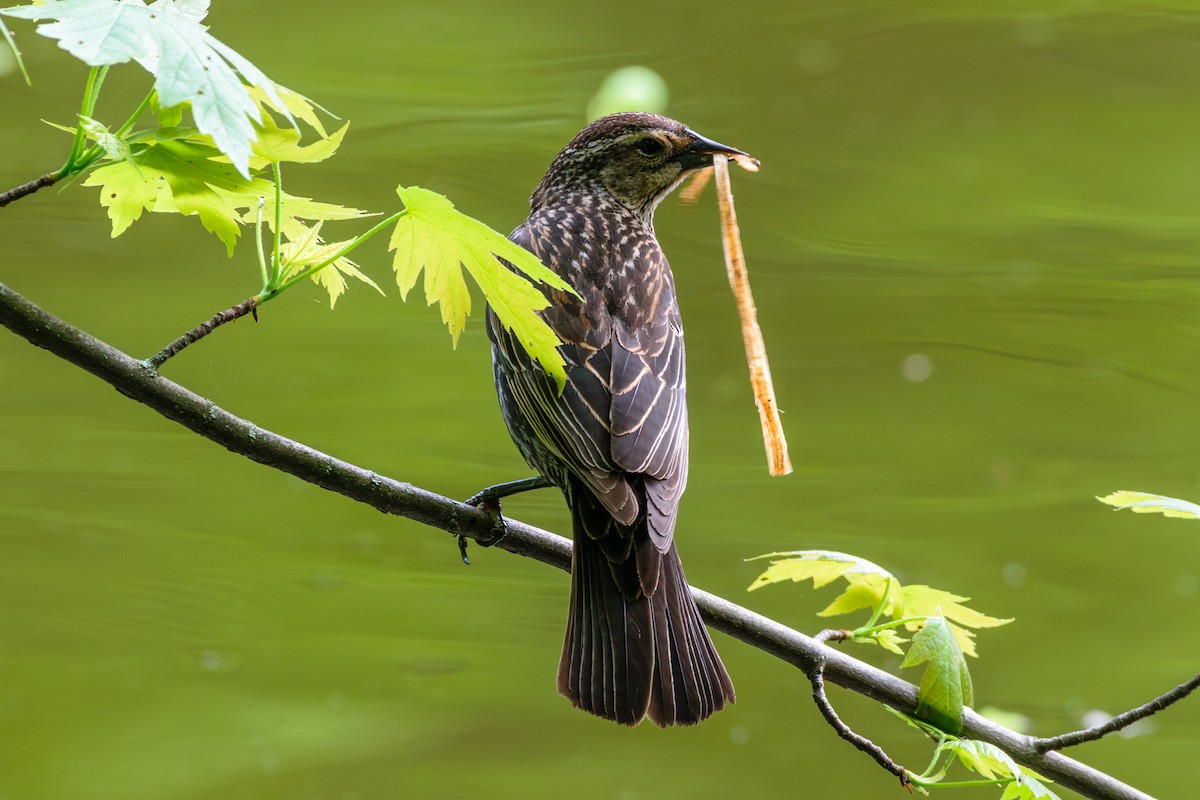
(139, 381)
(817, 679)
(247, 306)
(1120, 721)
(17, 192)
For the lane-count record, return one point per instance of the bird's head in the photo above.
(635, 159)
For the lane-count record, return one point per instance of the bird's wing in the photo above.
(620, 424)
(648, 414)
(575, 427)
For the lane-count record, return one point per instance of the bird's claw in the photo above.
(487, 502)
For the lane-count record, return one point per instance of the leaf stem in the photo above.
(91, 92)
(958, 784)
(137, 112)
(938, 754)
(276, 259)
(861, 632)
(292, 281)
(887, 592)
(12, 45)
(258, 241)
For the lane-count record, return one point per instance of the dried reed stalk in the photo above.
(756, 350)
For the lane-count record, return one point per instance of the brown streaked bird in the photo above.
(616, 440)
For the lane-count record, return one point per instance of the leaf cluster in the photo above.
(221, 133)
(992, 764)
(939, 621)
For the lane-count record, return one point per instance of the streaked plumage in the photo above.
(616, 440)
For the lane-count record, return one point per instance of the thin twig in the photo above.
(199, 414)
(247, 306)
(1118, 722)
(817, 679)
(17, 192)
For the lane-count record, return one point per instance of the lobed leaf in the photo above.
(862, 591)
(925, 601)
(306, 250)
(436, 238)
(886, 638)
(819, 566)
(992, 763)
(176, 171)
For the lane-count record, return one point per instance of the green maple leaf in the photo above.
(306, 249)
(946, 685)
(188, 64)
(274, 144)
(443, 242)
(925, 601)
(871, 586)
(992, 763)
(819, 566)
(178, 172)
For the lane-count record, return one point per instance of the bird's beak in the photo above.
(700, 151)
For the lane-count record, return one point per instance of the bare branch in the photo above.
(816, 678)
(1120, 721)
(247, 306)
(17, 192)
(140, 382)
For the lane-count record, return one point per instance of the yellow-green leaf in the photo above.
(1146, 503)
(924, 601)
(863, 591)
(291, 104)
(125, 192)
(274, 144)
(307, 250)
(887, 638)
(819, 566)
(435, 237)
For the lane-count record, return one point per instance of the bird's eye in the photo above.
(650, 146)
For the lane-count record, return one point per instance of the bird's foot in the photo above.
(488, 501)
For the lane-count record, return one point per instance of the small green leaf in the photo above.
(169, 116)
(886, 638)
(291, 105)
(819, 566)
(1146, 503)
(308, 250)
(275, 145)
(16, 54)
(435, 237)
(125, 191)
(992, 763)
(862, 591)
(925, 601)
(176, 171)
(113, 146)
(946, 685)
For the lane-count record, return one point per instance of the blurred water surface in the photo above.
(974, 244)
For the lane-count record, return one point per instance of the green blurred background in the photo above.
(974, 243)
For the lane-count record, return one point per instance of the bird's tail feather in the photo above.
(625, 659)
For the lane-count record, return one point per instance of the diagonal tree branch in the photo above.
(1120, 720)
(139, 381)
(17, 192)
